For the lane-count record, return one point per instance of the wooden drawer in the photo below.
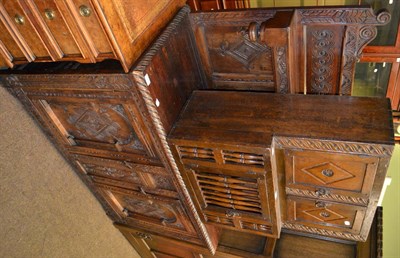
(324, 214)
(330, 176)
(149, 211)
(126, 174)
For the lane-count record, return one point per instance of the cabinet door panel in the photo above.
(87, 121)
(15, 14)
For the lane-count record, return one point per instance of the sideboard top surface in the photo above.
(248, 118)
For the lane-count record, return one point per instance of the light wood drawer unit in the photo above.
(81, 30)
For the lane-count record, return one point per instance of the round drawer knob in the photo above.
(50, 14)
(320, 192)
(84, 11)
(19, 19)
(325, 214)
(327, 172)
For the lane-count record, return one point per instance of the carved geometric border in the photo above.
(322, 232)
(336, 146)
(327, 196)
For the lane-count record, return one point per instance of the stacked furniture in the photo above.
(238, 166)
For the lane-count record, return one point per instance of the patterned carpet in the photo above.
(46, 211)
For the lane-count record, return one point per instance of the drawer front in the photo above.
(58, 29)
(28, 38)
(150, 212)
(89, 23)
(126, 174)
(344, 178)
(326, 215)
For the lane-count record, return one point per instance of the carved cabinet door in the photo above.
(103, 123)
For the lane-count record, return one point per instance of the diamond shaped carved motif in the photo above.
(244, 52)
(324, 214)
(327, 173)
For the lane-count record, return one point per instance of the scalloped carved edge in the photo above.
(323, 232)
(344, 16)
(336, 146)
(333, 197)
(70, 81)
(235, 17)
(161, 139)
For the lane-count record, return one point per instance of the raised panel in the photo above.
(323, 214)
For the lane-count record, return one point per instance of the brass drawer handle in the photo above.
(320, 192)
(231, 214)
(126, 212)
(143, 235)
(319, 204)
(327, 172)
(325, 214)
(84, 11)
(19, 19)
(50, 14)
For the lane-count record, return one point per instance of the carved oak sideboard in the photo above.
(319, 160)
(112, 126)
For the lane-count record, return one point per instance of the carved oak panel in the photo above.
(230, 59)
(87, 120)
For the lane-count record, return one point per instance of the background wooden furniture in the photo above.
(80, 30)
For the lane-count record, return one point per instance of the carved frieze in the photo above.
(335, 146)
(344, 16)
(282, 80)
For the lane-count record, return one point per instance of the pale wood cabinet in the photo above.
(86, 31)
